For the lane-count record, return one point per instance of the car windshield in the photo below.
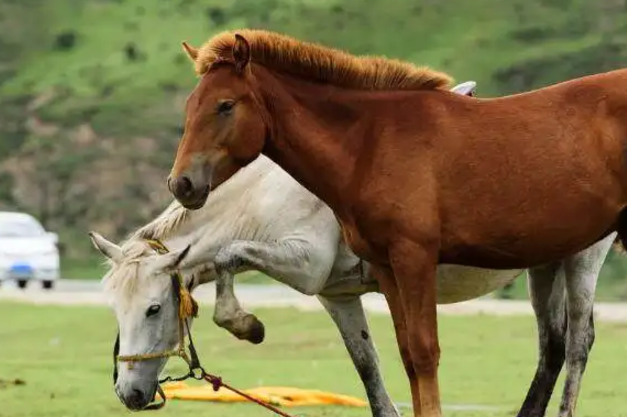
(20, 228)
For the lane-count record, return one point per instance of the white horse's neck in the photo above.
(249, 206)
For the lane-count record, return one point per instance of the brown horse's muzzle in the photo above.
(183, 189)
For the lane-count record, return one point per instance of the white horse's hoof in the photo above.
(245, 327)
(254, 330)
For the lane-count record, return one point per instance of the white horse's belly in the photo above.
(455, 283)
(462, 283)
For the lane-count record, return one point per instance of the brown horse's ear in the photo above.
(192, 52)
(241, 53)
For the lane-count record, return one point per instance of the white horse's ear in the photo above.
(465, 89)
(171, 260)
(108, 249)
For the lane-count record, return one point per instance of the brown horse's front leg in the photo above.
(415, 268)
(387, 285)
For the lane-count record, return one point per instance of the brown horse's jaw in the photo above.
(199, 202)
(190, 197)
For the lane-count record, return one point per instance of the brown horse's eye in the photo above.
(225, 107)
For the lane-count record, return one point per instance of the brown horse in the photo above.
(417, 175)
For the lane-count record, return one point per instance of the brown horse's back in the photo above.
(568, 167)
(560, 150)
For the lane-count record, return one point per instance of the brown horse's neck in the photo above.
(320, 156)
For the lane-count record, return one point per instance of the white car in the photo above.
(27, 251)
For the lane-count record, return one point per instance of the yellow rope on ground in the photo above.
(283, 396)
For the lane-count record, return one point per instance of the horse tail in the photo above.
(619, 245)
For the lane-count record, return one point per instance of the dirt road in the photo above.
(76, 292)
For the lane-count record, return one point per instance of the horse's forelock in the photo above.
(123, 279)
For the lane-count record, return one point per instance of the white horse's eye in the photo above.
(152, 310)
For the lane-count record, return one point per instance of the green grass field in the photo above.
(64, 356)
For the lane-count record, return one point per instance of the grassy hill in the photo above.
(91, 91)
(118, 66)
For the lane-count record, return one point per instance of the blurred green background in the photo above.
(92, 91)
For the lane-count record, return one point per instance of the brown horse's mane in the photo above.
(320, 63)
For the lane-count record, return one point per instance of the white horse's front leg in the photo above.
(293, 262)
(350, 319)
(229, 315)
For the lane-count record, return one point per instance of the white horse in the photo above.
(262, 219)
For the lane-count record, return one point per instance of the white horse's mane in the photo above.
(166, 223)
(123, 278)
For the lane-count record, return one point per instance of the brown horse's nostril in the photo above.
(181, 187)
(185, 186)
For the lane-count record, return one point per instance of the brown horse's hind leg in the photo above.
(547, 293)
(414, 268)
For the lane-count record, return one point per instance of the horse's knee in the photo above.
(589, 333)
(227, 259)
(424, 347)
(580, 343)
(408, 364)
(426, 367)
(421, 364)
(554, 347)
(427, 360)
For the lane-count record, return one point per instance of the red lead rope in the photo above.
(216, 382)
